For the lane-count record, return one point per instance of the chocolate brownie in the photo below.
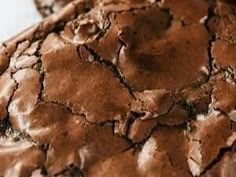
(128, 88)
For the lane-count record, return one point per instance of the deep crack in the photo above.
(6, 120)
(72, 170)
(112, 67)
(218, 158)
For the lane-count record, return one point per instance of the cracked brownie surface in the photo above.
(118, 88)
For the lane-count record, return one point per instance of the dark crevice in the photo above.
(5, 124)
(182, 126)
(212, 39)
(211, 59)
(66, 105)
(43, 171)
(5, 50)
(136, 115)
(45, 9)
(218, 158)
(72, 170)
(188, 107)
(170, 160)
(75, 171)
(112, 67)
(41, 71)
(44, 148)
(133, 116)
(106, 123)
(221, 111)
(214, 69)
(168, 11)
(129, 121)
(41, 80)
(17, 135)
(118, 73)
(143, 112)
(210, 105)
(4, 45)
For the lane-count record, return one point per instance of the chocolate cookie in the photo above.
(133, 88)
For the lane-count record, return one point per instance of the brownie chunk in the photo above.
(121, 88)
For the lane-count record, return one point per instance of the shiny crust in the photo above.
(132, 88)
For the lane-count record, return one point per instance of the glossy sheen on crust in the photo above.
(118, 88)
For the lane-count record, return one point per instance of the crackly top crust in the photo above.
(133, 88)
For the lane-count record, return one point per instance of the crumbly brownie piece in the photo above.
(133, 88)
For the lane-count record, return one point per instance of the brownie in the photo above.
(121, 88)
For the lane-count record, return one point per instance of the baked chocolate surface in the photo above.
(48, 7)
(133, 88)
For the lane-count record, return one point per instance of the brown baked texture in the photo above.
(136, 88)
(48, 7)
